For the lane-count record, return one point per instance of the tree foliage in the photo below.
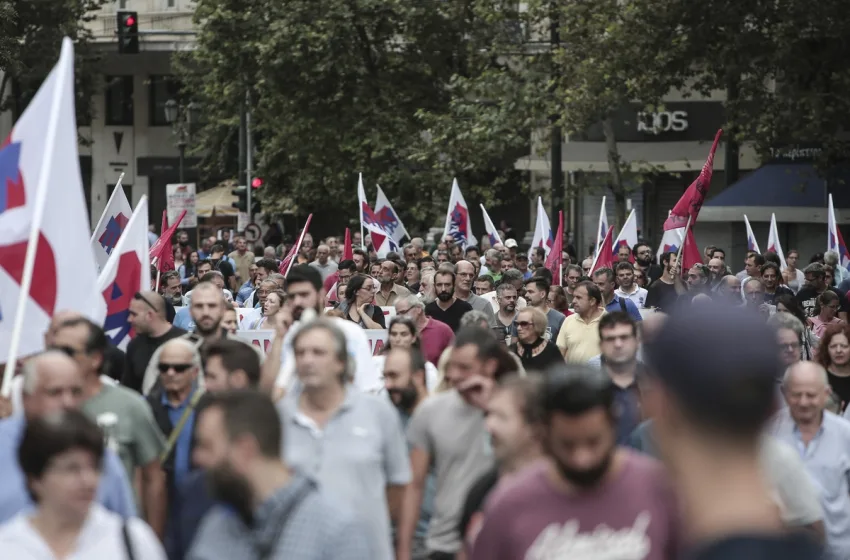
(31, 34)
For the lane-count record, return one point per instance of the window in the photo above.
(162, 88)
(119, 100)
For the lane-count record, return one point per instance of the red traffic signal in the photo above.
(256, 183)
(130, 21)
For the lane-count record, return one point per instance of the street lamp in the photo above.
(182, 119)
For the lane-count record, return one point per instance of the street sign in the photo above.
(252, 232)
(242, 221)
(181, 197)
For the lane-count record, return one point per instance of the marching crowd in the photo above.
(618, 413)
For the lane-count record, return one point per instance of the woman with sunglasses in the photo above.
(404, 334)
(534, 351)
(61, 456)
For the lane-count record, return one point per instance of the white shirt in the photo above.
(366, 377)
(638, 297)
(494, 301)
(100, 538)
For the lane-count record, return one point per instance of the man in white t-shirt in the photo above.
(627, 288)
(305, 299)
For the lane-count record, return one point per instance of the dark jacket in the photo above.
(193, 502)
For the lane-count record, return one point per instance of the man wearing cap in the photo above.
(521, 261)
(709, 411)
(511, 246)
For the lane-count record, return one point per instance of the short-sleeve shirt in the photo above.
(533, 519)
(436, 337)
(128, 425)
(579, 339)
(454, 435)
(620, 304)
(359, 452)
(450, 316)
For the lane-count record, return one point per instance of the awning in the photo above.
(795, 192)
(217, 198)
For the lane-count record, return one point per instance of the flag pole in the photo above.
(682, 245)
(300, 239)
(108, 203)
(37, 216)
(561, 256)
(599, 227)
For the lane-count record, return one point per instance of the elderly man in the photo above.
(465, 271)
(823, 440)
(52, 383)
(323, 263)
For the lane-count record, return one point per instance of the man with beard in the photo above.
(268, 510)
(643, 262)
(507, 297)
(172, 289)
(304, 293)
(390, 291)
(207, 311)
(664, 292)
(447, 308)
(557, 508)
(717, 270)
(351, 442)
(404, 378)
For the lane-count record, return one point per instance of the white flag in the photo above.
(543, 236)
(111, 225)
(458, 224)
(388, 218)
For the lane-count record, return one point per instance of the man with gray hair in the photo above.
(832, 259)
(514, 278)
(434, 335)
(465, 271)
(369, 472)
(323, 263)
(823, 440)
(492, 265)
(52, 382)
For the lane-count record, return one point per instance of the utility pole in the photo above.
(249, 158)
(557, 179)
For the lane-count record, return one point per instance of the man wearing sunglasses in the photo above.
(148, 319)
(125, 419)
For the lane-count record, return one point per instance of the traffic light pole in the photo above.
(249, 163)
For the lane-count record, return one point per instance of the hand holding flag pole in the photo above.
(677, 278)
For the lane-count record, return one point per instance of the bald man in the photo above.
(148, 318)
(52, 382)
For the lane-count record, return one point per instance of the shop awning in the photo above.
(218, 199)
(795, 185)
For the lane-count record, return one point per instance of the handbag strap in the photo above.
(128, 544)
(266, 552)
(175, 432)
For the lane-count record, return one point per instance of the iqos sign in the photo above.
(664, 121)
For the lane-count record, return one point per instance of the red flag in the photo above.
(691, 202)
(690, 252)
(605, 254)
(555, 259)
(347, 249)
(287, 261)
(161, 250)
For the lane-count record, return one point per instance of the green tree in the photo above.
(31, 35)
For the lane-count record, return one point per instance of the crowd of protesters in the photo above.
(628, 412)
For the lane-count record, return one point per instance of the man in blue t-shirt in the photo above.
(604, 280)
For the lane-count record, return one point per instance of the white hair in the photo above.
(186, 345)
(30, 369)
(789, 372)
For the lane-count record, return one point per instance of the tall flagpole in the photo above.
(682, 245)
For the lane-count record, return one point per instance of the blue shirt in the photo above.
(245, 292)
(183, 445)
(183, 319)
(114, 492)
(631, 308)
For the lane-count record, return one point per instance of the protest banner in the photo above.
(263, 338)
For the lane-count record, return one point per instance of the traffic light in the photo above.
(128, 32)
(256, 182)
(241, 203)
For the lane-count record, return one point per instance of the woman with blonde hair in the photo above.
(534, 351)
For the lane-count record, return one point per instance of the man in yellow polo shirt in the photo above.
(578, 339)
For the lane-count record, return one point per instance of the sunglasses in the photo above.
(524, 324)
(178, 368)
(140, 297)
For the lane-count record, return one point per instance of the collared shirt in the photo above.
(395, 293)
(827, 460)
(616, 307)
(183, 446)
(578, 339)
(245, 292)
(354, 457)
(638, 296)
(320, 528)
(114, 491)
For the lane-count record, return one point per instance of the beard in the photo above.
(510, 308)
(445, 296)
(644, 261)
(585, 478)
(228, 487)
(176, 300)
(404, 399)
(204, 330)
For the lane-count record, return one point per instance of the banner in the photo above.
(178, 198)
(263, 339)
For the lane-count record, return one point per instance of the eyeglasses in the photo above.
(524, 324)
(178, 368)
(789, 347)
(140, 297)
